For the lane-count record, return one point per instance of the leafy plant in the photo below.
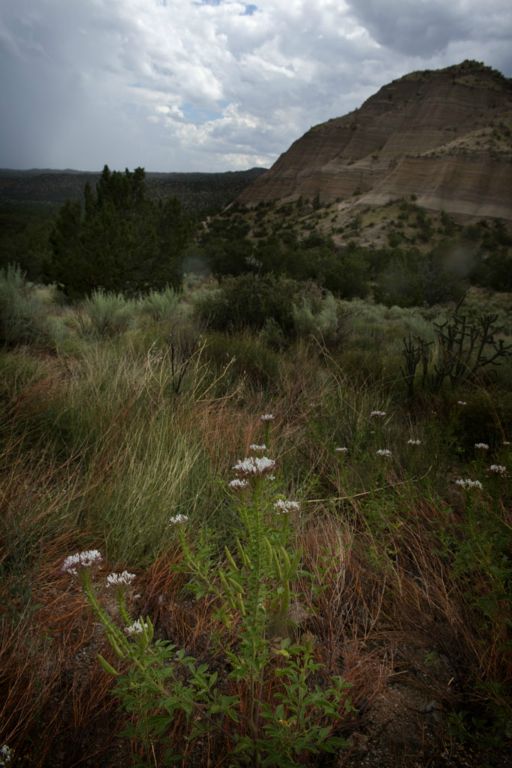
(281, 715)
(302, 722)
(253, 590)
(161, 683)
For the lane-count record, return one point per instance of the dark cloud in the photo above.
(427, 27)
(188, 85)
(412, 27)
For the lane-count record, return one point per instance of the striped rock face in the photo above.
(444, 136)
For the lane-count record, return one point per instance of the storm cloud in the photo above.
(188, 85)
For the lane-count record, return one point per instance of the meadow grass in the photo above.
(399, 568)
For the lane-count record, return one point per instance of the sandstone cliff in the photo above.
(444, 136)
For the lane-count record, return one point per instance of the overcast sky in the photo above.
(184, 85)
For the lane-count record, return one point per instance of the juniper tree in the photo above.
(119, 240)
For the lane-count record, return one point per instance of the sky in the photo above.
(213, 85)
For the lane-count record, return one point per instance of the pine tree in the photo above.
(120, 240)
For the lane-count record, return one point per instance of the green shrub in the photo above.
(322, 321)
(242, 356)
(411, 278)
(21, 311)
(249, 301)
(495, 270)
(160, 305)
(272, 335)
(106, 314)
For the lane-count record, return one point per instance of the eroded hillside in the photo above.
(444, 136)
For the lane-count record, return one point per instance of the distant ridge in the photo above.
(197, 191)
(444, 136)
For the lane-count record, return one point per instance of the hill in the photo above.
(443, 136)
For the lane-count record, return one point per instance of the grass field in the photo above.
(370, 620)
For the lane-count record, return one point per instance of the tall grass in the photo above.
(154, 471)
(404, 575)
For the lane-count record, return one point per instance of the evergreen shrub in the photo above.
(21, 311)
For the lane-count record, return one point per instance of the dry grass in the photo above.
(98, 450)
(54, 694)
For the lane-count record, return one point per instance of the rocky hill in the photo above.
(443, 137)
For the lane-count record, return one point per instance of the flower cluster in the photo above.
(283, 507)
(238, 484)
(498, 469)
(123, 579)
(468, 484)
(267, 417)
(482, 446)
(137, 628)
(384, 452)
(413, 441)
(258, 448)
(377, 414)
(461, 402)
(178, 519)
(85, 559)
(341, 449)
(254, 466)
(6, 754)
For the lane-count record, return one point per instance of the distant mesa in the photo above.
(444, 136)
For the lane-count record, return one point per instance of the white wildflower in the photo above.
(85, 559)
(252, 261)
(178, 519)
(238, 484)
(137, 628)
(498, 469)
(270, 477)
(468, 484)
(254, 465)
(413, 441)
(506, 442)
(461, 402)
(6, 754)
(267, 417)
(257, 448)
(377, 414)
(120, 579)
(341, 449)
(384, 452)
(482, 446)
(283, 507)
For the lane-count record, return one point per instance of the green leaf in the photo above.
(107, 667)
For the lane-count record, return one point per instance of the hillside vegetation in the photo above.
(345, 602)
(30, 202)
(254, 486)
